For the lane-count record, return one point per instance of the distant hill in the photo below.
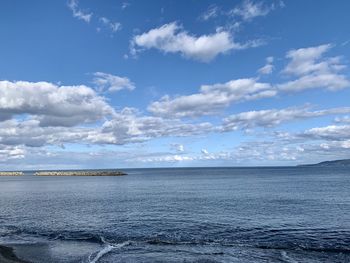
(336, 163)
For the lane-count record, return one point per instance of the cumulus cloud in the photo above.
(77, 12)
(112, 83)
(331, 132)
(331, 82)
(277, 151)
(258, 153)
(38, 114)
(11, 152)
(29, 133)
(129, 126)
(212, 98)
(123, 127)
(306, 60)
(171, 38)
(52, 105)
(273, 117)
(314, 70)
(345, 119)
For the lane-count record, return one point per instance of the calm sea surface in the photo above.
(180, 215)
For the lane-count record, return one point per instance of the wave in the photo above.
(106, 249)
(287, 258)
(310, 249)
(321, 240)
(101, 253)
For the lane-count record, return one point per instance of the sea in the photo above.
(261, 214)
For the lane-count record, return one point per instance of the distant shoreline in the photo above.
(335, 163)
(112, 172)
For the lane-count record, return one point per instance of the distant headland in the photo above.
(335, 163)
(68, 173)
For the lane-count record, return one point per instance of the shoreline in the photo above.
(7, 255)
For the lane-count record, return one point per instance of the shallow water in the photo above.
(299, 214)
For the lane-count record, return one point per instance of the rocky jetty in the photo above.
(80, 173)
(14, 173)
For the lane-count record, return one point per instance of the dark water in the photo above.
(180, 215)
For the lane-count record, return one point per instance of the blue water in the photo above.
(180, 215)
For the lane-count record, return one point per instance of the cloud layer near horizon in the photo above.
(35, 116)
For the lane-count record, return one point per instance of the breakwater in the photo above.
(80, 173)
(67, 173)
(9, 173)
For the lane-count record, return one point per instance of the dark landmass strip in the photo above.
(336, 163)
(8, 256)
(80, 173)
(10, 173)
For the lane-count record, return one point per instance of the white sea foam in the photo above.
(101, 253)
(287, 258)
(106, 249)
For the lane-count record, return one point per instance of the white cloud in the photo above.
(212, 98)
(306, 60)
(125, 5)
(77, 12)
(171, 38)
(331, 82)
(105, 81)
(212, 12)
(251, 9)
(311, 73)
(205, 152)
(52, 105)
(314, 70)
(37, 114)
(273, 117)
(159, 158)
(268, 68)
(30, 133)
(114, 26)
(285, 152)
(168, 158)
(128, 126)
(124, 127)
(331, 132)
(11, 152)
(178, 147)
(345, 119)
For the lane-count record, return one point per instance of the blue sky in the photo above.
(103, 84)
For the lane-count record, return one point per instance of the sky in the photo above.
(181, 83)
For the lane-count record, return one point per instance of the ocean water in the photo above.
(296, 214)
